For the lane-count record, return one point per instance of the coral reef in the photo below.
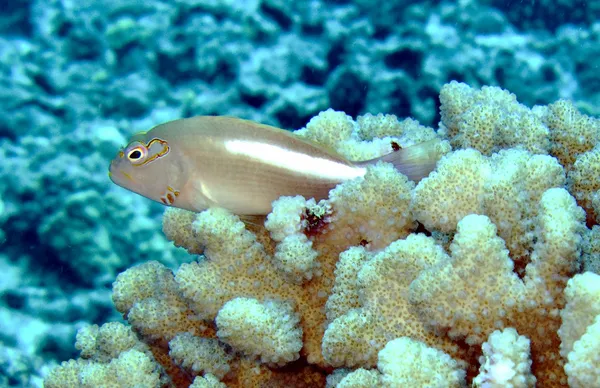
(469, 276)
(79, 77)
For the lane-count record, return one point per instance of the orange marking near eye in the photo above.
(159, 154)
(127, 176)
(169, 196)
(172, 190)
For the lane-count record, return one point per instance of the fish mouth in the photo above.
(111, 172)
(119, 177)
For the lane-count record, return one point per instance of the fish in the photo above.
(243, 166)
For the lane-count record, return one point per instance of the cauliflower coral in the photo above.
(470, 276)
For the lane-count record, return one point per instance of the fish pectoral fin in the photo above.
(253, 221)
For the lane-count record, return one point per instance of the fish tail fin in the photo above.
(416, 162)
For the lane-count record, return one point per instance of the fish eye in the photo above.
(137, 155)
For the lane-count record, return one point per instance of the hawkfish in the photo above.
(218, 161)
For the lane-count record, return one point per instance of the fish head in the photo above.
(151, 167)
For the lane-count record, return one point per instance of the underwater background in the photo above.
(78, 77)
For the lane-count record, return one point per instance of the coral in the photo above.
(453, 190)
(370, 136)
(148, 297)
(389, 195)
(590, 252)
(571, 132)
(406, 362)
(181, 238)
(580, 330)
(129, 369)
(503, 186)
(199, 355)
(582, 308)
(294, 254)
(274, 326)
(207, 381)
(393, 283)
(489, 120)
(506, 361)
(583, 181)
(107, 342)
(360, 378)
(368, 305)
(111, 355)
(448, 301)
(582, 364)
